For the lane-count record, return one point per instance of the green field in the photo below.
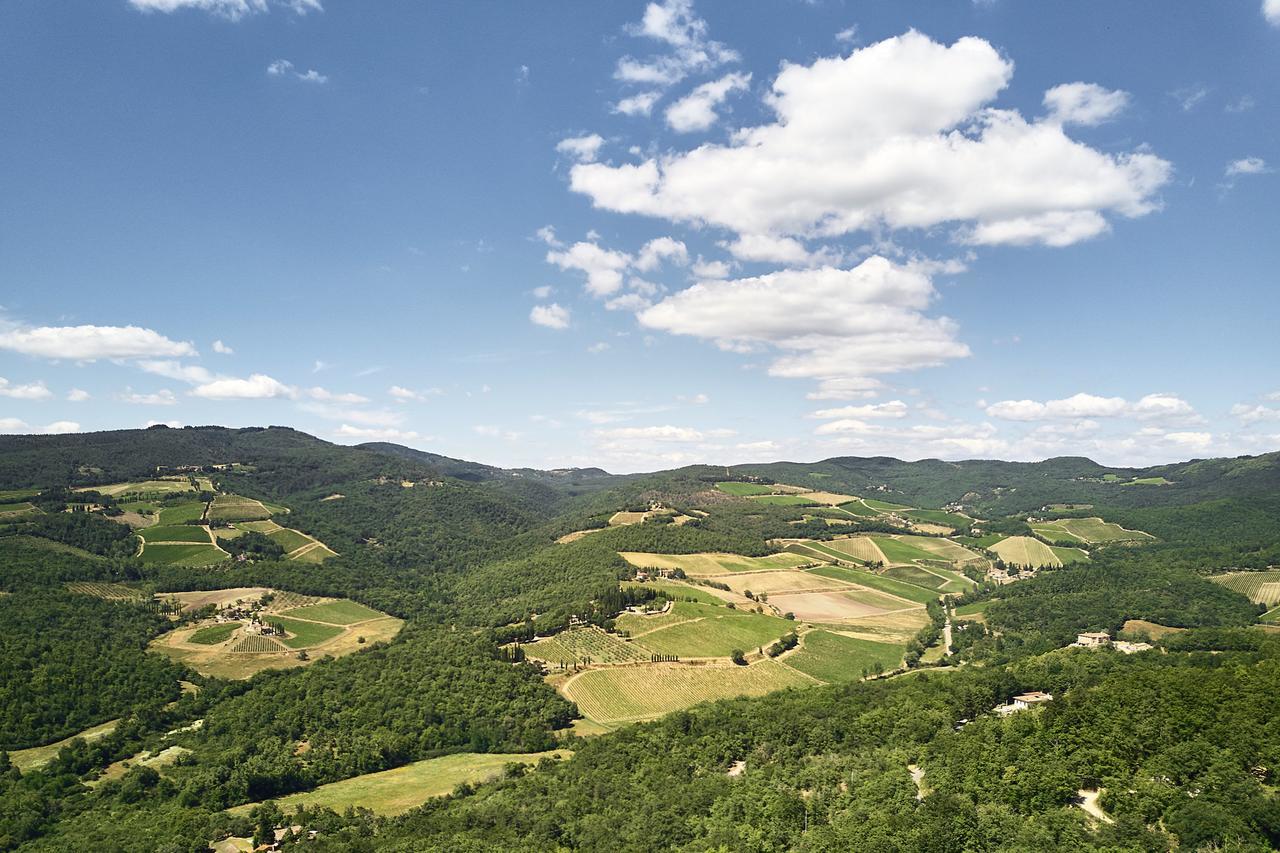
(712, 563)
(618, 694)
(883, 506)
(180, 513)
(937, 516)
(14, 495)
(17, 510)
(341, 612)
(974, 609)
(917, 576)
(681, 611)
(718, 635)
(237, 508)
(909, 591)
(743, 489)
(289, 540)
(982, 541)
(785, 500)
(305, 633)
(856, 548)
(1055, 533)
(593, 643)
(183, 555)
(835, 657)
(1271, 616)
(677, 591)
(392, 792)
(1067, 556)
(211, 635)
(1258, 587)
(899, 551)
(175, 533)
(38, 756)
(859, 509)
(108, 591)
(1149, 481)
(1025, 551)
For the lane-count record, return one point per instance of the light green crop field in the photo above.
(628, 693)
(183, 554)
(180, 513)
(393, 792)
(677, 591)
(211, 635)
(862, 548)
(835, 657)
(704, 565)
(859, 509)
(1258, 587)
(900, 551)
(15, 495)
(1095, 530)
(719, 635)
(820, 551)
(17, 510)
(743, 489)
(108, 591)
(341, 612)
(1271, 616)
(909, 591)
(681, 611)
(937, 516)
(237, 508)
(593, 643)
(289, 540)
(942, 548)
(917, 576)
(975, 609)
(883, 506)
(1025, 551)
(1149, 481)
(985, 541)
(305, 633)
(785, 500)
(1056, 533)
(143, 487)
(175, 533)
(1069, 555)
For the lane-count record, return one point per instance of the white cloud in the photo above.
(1190, 97)
(376, 434)
(170, 369)
(1253, 414)
(584, 149)
(641, 104)
(892, 409)
(848, 35)
(673, 24)
(767, 249)
(77, 395)
(163, 397)
(553, 316)
(1190, 440)
(405, 395)
(661, 250)
(901, 134)
(490, 431)
(232, 10)
(30, 391)
(603, 267)
(1167, 407)
(696, 111)
(846, 388)
(327, 396)
(651, 433)
(283, 67)
(1271, 11)
(1084, 103)
(828, 323)
(89, 343)
(695, 399)
(258, 386)
(711, 269)
(543, 291)
(547, 234)
(597, 347)
(221, 348)
(16, 425)
(1247, 166)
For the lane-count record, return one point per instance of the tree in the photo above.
(739, 657)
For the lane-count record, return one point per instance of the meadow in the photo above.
(340, 612)
(743, 489)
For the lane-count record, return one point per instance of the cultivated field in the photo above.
(908, 591)
(837, 606)
(862, 548)
(1258, 587)
(183, 554)
(392, 792)
(572, 646)
(705, 565)
(629, 693)
(143, 487)
(108, 591)
(175, 533)
(1026, 551)
(717, 635)
(1091, 531)
(936, 516)
(339, 612)
(836, 657)
(774, 582)
(237, 508)
(744, 489)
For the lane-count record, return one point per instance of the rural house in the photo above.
(1093, 640)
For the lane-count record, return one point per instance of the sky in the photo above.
(644, 235)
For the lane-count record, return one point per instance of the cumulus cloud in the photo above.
(89, 343)
(659, 251)
(258, 386)
(902, 134)
(222, 349)
(1253, 414)
(683, 35)
(603, 267)
(327, 396)
(285, 68)
(553, 316)
(231, 10)
(892, 409)
(641, 104)
(405, 395)
(77, 395)
(163, 397)
(697, 110)
(829, 324)
(584, 149)
(16, 425)
(376, 433)
(705, 269)
(1271, 11)
(171, 369)
(1084, 103)
(28, 391)
(1077, 406)
(1247, 166)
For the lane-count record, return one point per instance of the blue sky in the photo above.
(642, 235)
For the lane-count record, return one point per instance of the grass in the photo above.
(982, 541)
(1067, 556)
(743, 489)
(17, 510)
(1089, 531)
(644, 692)
(681, 611)
(181, 513)
(718, 635)
(977, 608)
(144, 487)
(943, 549)
(1258, 587)
(341, 612)
(713, 563)
(211, 635)
(107, 591)
(901, 551)
(289, 540)
(393, 792)
(14, 495)
(909, 591)
(183, 555)
(305, 634)
(883, 506)
(859, 509)
(1272, 615)
(1149, 481)
(1025, 551)
(917, 576)
(38, 756)
(861, 548)
(835, 657)
(1054, 533)
(175, 533)
(574, 645)
(237, 508)
(785, 500)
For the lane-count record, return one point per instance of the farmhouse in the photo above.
(1023, 701)
(1093, 640)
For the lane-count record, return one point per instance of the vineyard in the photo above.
(256, 643)
(236, 508)
(1258, 587)
(108, 591)
(591, 643)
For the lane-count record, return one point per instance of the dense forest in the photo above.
(1181, 740)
